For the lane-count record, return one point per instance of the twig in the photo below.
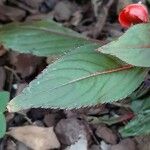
(24, 115)
(121, 105)
(14, 72)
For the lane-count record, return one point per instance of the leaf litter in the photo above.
(91, 18)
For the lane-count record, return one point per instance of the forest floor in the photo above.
(94, 127)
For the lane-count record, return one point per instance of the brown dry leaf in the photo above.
(101, 10)
(37, 138)
(104, 146)
(69, 130)
(76, 18)
(23, 6)
(25, 63)
(51, 119)
(10, 145)
(2, 50)
(2, 77)
(106, 134)
(126, 144)
(32, 3)
(143, 142)
(8, 13)
(2, 2)
(95, 147)
(40, 16)
(64, 10)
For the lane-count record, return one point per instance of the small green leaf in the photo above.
(141, 105)
(82, 78)
(139, 126)
(141, 123)
(2, 125)
(133, 47)
(146, 104)
(4, 97)
(105, 120)
(40, 38)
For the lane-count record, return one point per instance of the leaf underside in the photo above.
(133, 47)
(82, 78)
(40, 38)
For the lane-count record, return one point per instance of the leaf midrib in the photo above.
(80, 36)
(55, 32)
(126, 67)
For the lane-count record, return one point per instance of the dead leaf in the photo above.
(126, 144)
(105, 146)
(21, 146)
(95, 147)
(2, 2)
(68, 130)
(10, 145)
(76, 18)
(32, 3)
(143, 142)
(101, 12)
(106, 134)
(51, 119)
(39, 16)
(22, 6)
(37, 138)
(48, 5)
(2, 77)
(64, 10)
(2, 50)
(8, 13)
(25, 63)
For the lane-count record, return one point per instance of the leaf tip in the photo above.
(11, 107)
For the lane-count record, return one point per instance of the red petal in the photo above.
(124, 20)
(133, 14)
(138, 13)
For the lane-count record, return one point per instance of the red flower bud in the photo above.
(133, 14)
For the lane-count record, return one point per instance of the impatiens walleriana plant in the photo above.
(88, 73)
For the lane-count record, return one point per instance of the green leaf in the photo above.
(139, 126)
(141, 105)
(146, 104)
(82, 78)
(133, 47)
(141, 123)
(105, 120)
(2, 125)
(148, 1)
(40, 38)
(4, 97)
